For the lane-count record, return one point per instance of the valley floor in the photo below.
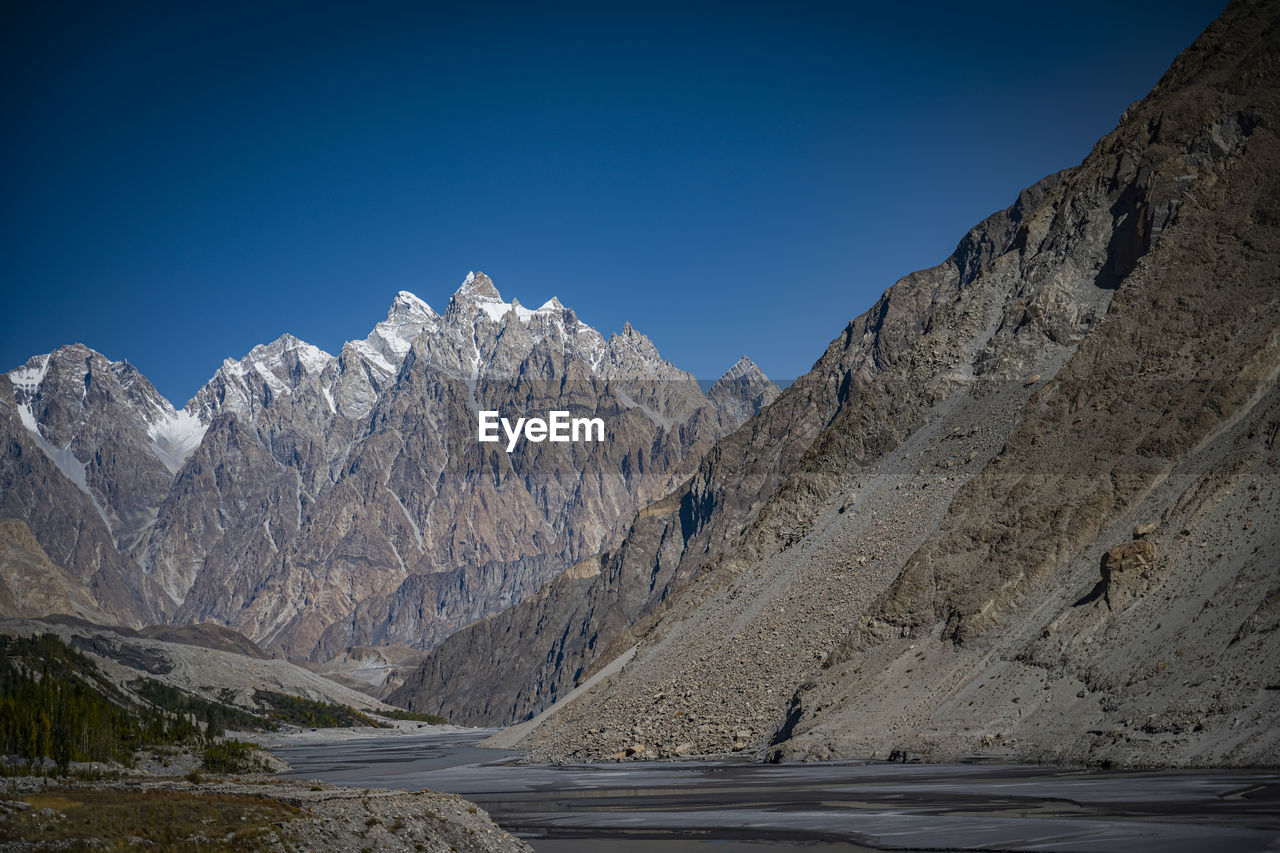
(666, 806)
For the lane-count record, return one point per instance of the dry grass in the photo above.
(171, 820)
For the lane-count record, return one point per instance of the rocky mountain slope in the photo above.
(1024, 507)
(33, 585)
(377, 670)
(188, 661)
(511, 665)
(316, 502)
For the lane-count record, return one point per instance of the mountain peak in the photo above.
(407, 304)
(385, 347)
(311, 357)
(742, 367)
(478, 285)
(743, 390)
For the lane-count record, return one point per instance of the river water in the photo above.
(738, 807)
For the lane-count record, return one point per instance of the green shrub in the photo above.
(232, 756)
(309, 713)
(216, 716)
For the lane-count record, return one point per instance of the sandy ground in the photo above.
(295, 736)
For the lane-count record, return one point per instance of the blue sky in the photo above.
(183, 181)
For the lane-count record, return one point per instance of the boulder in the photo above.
(1128, 570)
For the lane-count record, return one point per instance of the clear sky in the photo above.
(185, 180)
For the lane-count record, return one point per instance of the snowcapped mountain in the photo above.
(316, 501)
(390, 340)
(249, 385)
(478, 335)
(107, 429)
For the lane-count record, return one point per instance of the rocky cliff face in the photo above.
(316, 502)
(68, 523)
(1024, 507)
(32, 585)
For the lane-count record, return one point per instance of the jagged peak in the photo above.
(742, 367)
(312, 358)
(31, 373)
(477, 285)
(76, 349)
(29, 376)
(479, 298)
(410, 305)
(631, 339)
(743, 390)
(289, 343)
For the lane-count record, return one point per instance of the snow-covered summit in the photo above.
(283, 353)
(385, 347)
(74, 399)
(407, 304)
(478, 298)
(267, 371)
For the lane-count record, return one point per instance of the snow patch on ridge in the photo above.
(496, 309)
(28, 377)
(312, 358)
(26, 384)
(73, 468)
(491, 304)
(28, 419)
(369, 353)
(175, 437)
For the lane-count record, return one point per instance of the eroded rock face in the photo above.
(32, 585)
(522, 659)
(316, 502)
(64, 517)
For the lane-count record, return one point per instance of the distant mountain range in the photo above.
(315, 502)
